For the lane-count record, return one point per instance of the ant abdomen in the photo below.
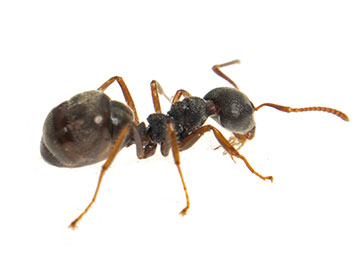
(82, 131)
(234, 110)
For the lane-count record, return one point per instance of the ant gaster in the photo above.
(91, 127)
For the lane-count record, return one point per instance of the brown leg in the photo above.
(237, 141)
(193, 138)
(216, 69)
(120, 142)
(118, 145)
(156, 91)
(172, 142)
(125, 91)
(179, 93)
(305, 109)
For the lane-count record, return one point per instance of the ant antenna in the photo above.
(216, 69)
(305, 109)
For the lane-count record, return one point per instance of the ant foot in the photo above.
(268, 178)
(73, 225)
(184, 211)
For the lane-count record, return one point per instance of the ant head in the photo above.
(234, 111)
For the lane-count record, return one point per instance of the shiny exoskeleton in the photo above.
(83, 130)
(91, 127)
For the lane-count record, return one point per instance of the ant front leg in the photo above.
(125, 91)
(237, 141)
(240, 139)
(191, 139)
(216, 69)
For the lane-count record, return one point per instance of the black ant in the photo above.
(91, 127)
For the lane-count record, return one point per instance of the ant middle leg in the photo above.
(191, 139)
(176, 155)
(171, 142)
(157, 90)
(125, 91)
(179, 93)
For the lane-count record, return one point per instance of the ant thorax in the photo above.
(187, 116)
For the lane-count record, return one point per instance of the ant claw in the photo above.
(73, 225)
(269, 178)
(183, 212)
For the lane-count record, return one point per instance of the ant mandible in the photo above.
(91, 127)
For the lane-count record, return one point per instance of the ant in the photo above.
(91, 127)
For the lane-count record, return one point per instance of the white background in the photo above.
(296, 53)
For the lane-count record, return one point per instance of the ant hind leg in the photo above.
(142, 153)
(116, 148)
(126, 94)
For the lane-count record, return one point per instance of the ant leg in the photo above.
(182, 92)
(125, 91)
(193, 138)
(116, 148)
(216, 69)
(156, 90)
(240, 139)
(154, 85)
(179, 93)
(119, 144)
(171, 142)
(305, 109)
(237, 141)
